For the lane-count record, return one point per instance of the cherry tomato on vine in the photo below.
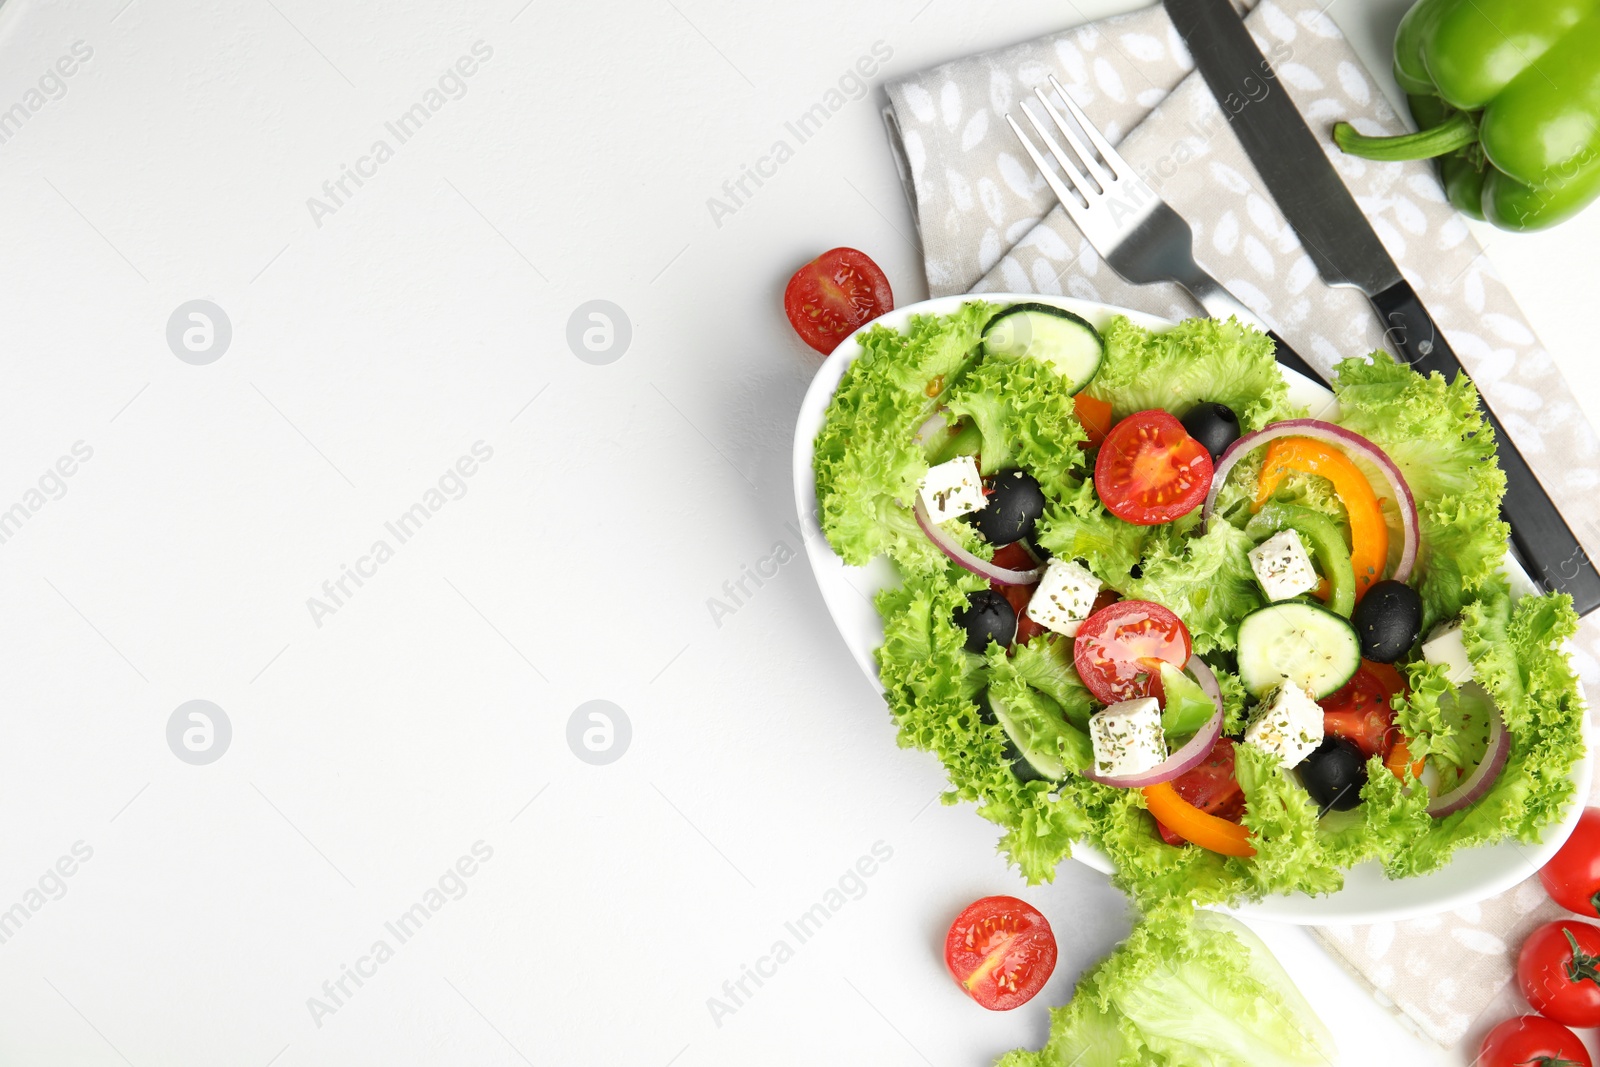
(1557, 971)
(1572, 877)
(1530, 1041)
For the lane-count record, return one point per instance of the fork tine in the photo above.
(1113, 159)
(1069, 167)
(1075, 211)
(1082, 150)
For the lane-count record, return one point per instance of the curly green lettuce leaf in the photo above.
(1157, 877)
(1436, 434)
(1045, 663)
(867, 463)
(1024, 412)
(1284, 829)
(930, 681)
(1075, 525)
(1538, 696)
(1206, 581)
(1045, 725)
(1180, 991)
(1197, 360)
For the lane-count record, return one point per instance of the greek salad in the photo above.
(1146, 602)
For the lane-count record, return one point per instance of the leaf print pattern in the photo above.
(989, 223)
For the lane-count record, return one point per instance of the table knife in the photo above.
(1346, 251)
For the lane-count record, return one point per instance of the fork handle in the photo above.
(1221, 304)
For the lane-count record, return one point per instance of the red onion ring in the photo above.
(1346, 439)
(1476, 784)
(947, 544)
(1192, 754)
(937, 423)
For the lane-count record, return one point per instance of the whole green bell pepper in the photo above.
(1506, 95)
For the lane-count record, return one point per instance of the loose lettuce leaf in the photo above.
(1203, 991)
(1198, 360)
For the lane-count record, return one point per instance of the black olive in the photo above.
(1388, 620)
(1215, 426)
(1334, 774)
(987, 616)
(1014, 505)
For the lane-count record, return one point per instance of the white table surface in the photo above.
(429, 711)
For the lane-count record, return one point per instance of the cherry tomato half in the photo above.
(1557, 972)
(1359, 712)
(1211, 787)
(1001, 950)
(1529, 1041)
(1572, 877)
(828, 298)
(1119, 648)
(1150, 470)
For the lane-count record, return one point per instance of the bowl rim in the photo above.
(1367, 896)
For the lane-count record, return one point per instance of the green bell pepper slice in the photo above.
(1186, 707)
(1323, 537)
(1506, 96)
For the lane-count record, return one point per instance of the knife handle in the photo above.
(1538, 531)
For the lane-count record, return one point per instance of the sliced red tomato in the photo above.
(1359, 712)
(1150, 470)
(1119, 649)
(1211, 787)
(1529, 1041)
(828, 298)
(1001, 950)
(1015, 557)
(1572, 877)
(1095, 418)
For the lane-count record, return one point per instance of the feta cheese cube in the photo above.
(1444, 645)
(952, 489)
(1288, 724)
(1282, 566)
(1127, 737)
(1063, 597)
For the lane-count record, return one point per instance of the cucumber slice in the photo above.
(1332, 555)
(1299, 642)
(1039, 331)
(1037, 734)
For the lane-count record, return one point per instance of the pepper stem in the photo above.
(1457, 131)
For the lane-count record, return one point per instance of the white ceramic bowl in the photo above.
(1367, 896)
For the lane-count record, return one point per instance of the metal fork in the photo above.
(1131, 227)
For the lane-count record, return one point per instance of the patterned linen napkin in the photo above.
(989, 224)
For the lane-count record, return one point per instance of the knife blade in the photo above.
(1346, 252)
